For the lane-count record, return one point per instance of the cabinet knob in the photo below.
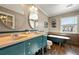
(29, 52)
(29, 43)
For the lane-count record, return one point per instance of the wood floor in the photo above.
(67, 49)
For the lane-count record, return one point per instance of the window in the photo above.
(69, 24)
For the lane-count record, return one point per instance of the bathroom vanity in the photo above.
(23, 43)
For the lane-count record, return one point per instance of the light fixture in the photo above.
(33, 13)
(1, 17)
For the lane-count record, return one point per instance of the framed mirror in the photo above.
(33, 24)
(33, 18)
(7, 20)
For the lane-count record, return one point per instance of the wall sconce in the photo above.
(1, 17)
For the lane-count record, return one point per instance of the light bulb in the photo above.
(33, 7)
(1, 17)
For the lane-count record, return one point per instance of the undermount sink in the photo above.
(63, 34)
(35, 33)
(23, 35)
(18, 36)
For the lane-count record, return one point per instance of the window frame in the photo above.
(61, 30)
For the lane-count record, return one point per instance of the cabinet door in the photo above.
(27, 47)
(44, 38)
(17, 49)
(33, 45)
(39, 42)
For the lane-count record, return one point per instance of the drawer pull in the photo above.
(29, 52)
(29, 43)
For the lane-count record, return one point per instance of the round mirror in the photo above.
(33, 23)
(7, 20)
(33, 18)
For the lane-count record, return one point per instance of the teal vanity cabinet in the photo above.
(33, 45)
(16, 49)
(28, 47)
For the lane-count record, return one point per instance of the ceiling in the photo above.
(15, 7)
(57, 9)
(48, 9)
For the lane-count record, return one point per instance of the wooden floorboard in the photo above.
(67, 49)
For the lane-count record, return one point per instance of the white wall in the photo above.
(42, 18)
(78, 24)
